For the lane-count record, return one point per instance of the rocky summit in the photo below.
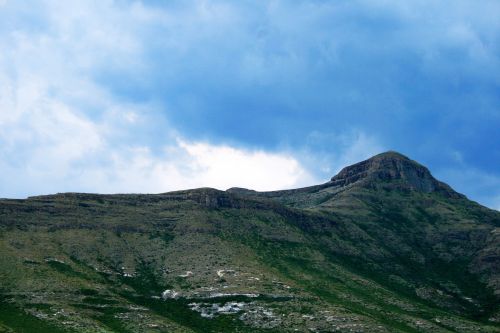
(392, 166)
(381, 247)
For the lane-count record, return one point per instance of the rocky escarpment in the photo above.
(392, 170)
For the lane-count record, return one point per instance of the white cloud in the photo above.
(196, 164)
(258, 170)
(72, 163)
(48, 144)
(61, 130)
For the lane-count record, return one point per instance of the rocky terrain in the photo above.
(381, 247)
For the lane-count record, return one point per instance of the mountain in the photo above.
(381, 247)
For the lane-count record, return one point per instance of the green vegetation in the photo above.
(14, 319)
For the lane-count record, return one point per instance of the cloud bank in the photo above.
(50, 145)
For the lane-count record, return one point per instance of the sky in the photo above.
(152, 96)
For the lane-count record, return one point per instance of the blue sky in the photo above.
(143, 96)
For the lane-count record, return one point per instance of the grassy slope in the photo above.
(380, 262)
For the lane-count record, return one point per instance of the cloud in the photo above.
(185, 164)
(93, 85)
(258, 170)
(63, 129)
(72, 163)
(50, 144)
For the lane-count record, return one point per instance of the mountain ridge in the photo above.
(389, 165)
(382, 239)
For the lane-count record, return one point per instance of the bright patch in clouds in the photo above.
(190, 165)
(258, 170)
(77, 164)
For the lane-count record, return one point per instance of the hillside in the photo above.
(381, 247)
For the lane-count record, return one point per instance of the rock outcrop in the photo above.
(392, 169)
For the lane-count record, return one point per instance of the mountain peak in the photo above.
(390, 154)
(394, 170)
